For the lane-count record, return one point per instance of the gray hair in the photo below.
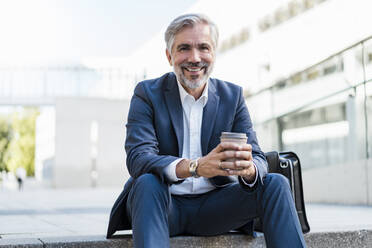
(189, 20)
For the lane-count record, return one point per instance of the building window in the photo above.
(286, 12)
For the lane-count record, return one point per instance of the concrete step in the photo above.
(348, 239)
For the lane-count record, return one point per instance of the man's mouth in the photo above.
(194, 69)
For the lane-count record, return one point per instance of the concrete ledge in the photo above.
(351, 239)
(21, 243)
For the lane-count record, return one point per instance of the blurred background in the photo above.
(68, 69)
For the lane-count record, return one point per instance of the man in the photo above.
(21, 176)
(181, 180)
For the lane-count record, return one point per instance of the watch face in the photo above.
(193, 167)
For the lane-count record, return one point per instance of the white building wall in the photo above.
(74, 159)
(45, 145)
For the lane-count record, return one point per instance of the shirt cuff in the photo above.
(255, 180)
(170, 171)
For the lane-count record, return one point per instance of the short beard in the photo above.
(192, 84)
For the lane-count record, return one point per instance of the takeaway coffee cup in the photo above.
(238, 138)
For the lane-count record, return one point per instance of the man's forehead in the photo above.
(193, 43)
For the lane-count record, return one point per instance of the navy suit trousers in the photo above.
(156, 215)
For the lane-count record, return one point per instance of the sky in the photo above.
(47, 30)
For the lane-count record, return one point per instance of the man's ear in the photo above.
(169, 57)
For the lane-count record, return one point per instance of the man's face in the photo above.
(192, 55)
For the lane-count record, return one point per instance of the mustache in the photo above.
(198, 64)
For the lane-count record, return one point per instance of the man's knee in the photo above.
(149, 183)
(276, 191)
(276, 181)
(148, 199)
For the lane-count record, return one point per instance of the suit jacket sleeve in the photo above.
(243, 123)
(141, 143)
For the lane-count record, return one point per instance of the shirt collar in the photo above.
(184, 94)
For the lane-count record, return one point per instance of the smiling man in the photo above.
(183, 179)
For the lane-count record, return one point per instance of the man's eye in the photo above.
(205, 48)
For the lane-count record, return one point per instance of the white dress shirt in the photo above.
(192, 122)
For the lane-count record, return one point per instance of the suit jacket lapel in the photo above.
(209, 116)
(173, 101)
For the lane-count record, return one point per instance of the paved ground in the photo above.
(55, 213)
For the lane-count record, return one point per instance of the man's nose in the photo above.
(194, 56)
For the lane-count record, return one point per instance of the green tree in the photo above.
(21, 151)
(5, 137)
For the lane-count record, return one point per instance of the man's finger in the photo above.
(238, 172)
(236, 165)
(243, 164)
(245, 147)
(227, 146)
(227, 165)
(223, 173)
(244, 173)
(243, 155)
(225, 155)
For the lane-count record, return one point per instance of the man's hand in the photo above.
(243, 166)
(214, 163)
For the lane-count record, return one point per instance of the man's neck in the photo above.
(196, 93)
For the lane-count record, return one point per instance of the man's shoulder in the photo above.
(223, 86)
(157, 83)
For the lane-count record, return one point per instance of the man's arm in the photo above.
(141, 143)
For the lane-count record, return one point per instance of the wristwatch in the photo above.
(193, 166)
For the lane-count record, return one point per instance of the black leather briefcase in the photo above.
(288, 164)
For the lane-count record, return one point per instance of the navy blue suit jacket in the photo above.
(155, 133)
